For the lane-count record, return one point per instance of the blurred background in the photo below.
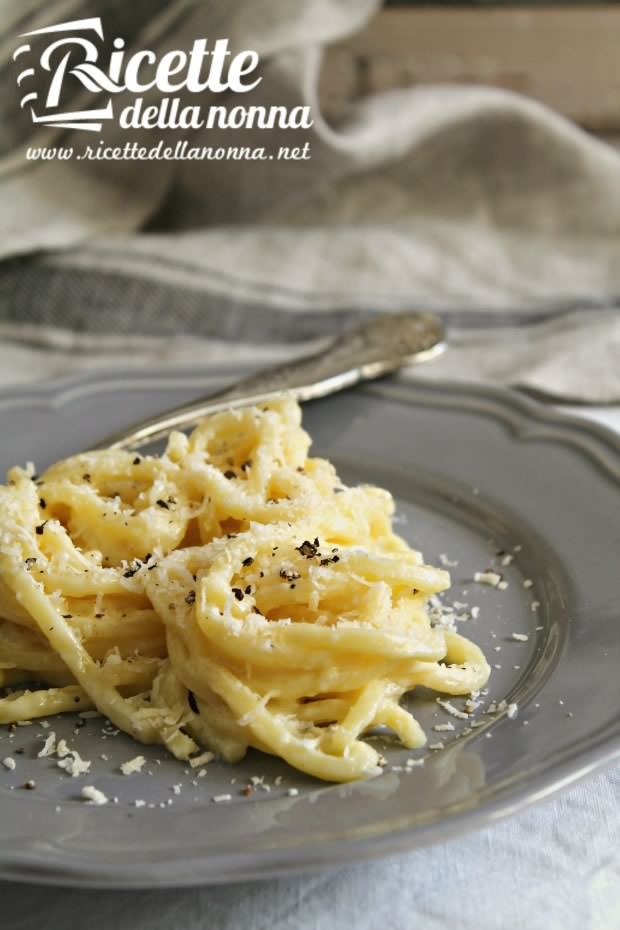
(564, 54)
(463, 159)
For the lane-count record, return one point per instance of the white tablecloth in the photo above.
(554, 867)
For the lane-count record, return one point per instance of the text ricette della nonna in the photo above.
(154, 89)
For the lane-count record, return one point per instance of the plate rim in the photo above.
(512, 407)
(54, 392)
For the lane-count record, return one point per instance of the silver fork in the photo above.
(379, 346)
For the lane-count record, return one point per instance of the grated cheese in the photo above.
(133, 765)
(451, 709)
(49, 746)
(74, 764)
(93, 796)
(471, 705)
(492, 579)
(413, 763)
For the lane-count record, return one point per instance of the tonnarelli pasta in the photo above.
(229, 593)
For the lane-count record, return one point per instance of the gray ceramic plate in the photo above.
(475, 472)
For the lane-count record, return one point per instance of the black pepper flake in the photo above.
(86, 477)
(230, 473)
(291, 586)
(146, 557)
(98, 616)
(19, 752)
(29, 785)
(247, 464)
(29, 562)
(415, 591)
(137, 460)
(191, 700)
(162, 503)
(261, 574)
(248, 589)
(42, 503)
(190, 597)
(67, 616)
(130, 572)
(247, 562)
(308, 549)
(238, 593)
(77, 699)
(150, 568)
(39, 529)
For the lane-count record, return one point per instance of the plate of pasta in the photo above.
(273, 642)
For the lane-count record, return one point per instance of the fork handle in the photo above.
(379, 346)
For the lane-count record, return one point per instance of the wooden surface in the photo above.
(566, 56)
